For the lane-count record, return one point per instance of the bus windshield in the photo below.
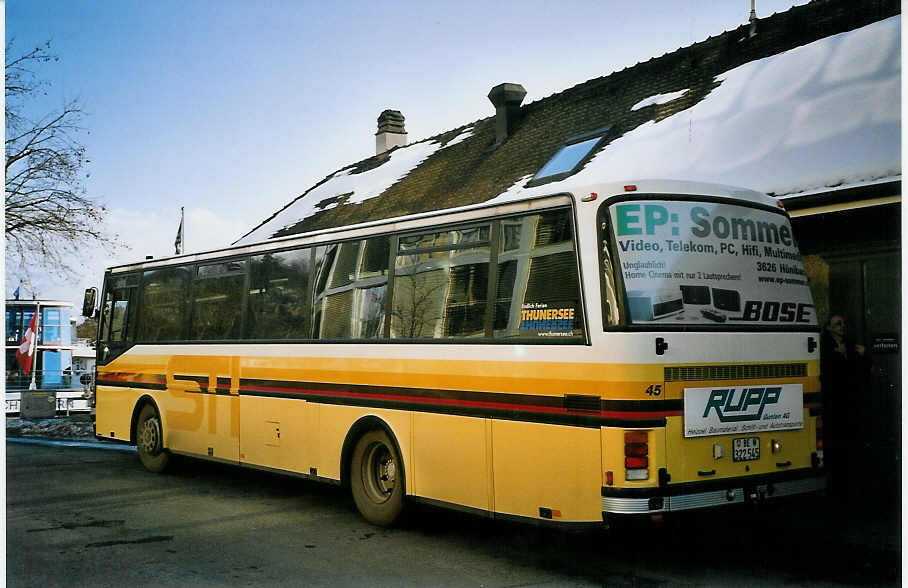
(698, 263)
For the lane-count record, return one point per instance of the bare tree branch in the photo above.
(49, 216)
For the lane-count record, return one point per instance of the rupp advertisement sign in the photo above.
(735, 410)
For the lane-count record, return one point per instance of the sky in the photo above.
(231, 109)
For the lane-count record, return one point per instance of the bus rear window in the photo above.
(689, 263)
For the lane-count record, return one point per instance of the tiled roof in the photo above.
(464, 166)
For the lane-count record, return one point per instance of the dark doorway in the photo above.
(853, 261)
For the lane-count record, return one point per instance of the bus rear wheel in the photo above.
(150, 440)
(377, 479)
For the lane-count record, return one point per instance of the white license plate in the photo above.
(746, 449)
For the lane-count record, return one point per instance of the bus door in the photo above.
(118, 317)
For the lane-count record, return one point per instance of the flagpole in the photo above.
(34, 347)
(178, 245)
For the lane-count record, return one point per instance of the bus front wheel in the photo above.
(377, 478)
(150, 440)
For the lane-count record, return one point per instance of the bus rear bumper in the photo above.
(660, 500)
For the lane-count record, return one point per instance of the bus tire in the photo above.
(377, 478)
(150, 440)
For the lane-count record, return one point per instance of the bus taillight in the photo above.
(636, 452)
(819, 432)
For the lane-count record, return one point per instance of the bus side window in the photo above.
(217, 301)
(119, 311)
(351, 290)
(371, 289)
(441, 282)
(118, 316)
(335, 300)
(607, 273)
(538, 291)
(278, 305)
(164, 304)
(106, 312)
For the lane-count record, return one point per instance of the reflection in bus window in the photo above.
(118, 320)
(440, 293)
(538, 292)
(118, 315)
(351, 290)
(336, 317)
(278, 295)
(164, 304)
(369, 319)
(456, 237)
(217, 301)
(344, 270)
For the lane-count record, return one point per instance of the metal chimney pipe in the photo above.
(506, 98)
(753, 18)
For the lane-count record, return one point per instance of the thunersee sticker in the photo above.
(710, 263)
(743, 409)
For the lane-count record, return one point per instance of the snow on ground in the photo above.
(360, 186)
(824, 114)
(77, 427)
(659, 99)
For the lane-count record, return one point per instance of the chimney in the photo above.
(753, 19)
(506, 98)
(391, 131)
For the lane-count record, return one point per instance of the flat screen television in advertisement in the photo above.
(687, 263)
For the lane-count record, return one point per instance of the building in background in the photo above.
(83, 358)
(52, 367)
(804, 105)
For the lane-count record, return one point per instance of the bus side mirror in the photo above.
(88, 303)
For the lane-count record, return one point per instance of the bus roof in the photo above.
(522, 199)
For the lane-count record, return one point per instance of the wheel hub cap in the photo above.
(149, 437)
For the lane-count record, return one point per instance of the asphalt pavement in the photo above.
(867, 519)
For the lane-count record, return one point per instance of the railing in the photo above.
(72, 388)
(50, 380)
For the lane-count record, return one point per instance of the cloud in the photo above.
(141, 234)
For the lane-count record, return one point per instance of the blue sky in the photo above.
(233, 108)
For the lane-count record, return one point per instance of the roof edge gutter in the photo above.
(873, 194)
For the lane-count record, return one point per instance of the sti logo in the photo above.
(732, 407)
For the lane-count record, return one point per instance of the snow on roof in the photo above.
(660, 99)
(823, 114)
(348, 187)
(83, 351)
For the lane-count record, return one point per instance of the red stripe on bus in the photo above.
(470, 403)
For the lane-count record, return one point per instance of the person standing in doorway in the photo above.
(840, 371)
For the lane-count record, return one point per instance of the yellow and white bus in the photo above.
(615, 349)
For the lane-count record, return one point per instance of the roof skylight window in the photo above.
(568, 159)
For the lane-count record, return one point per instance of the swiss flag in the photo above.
(26, 351)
